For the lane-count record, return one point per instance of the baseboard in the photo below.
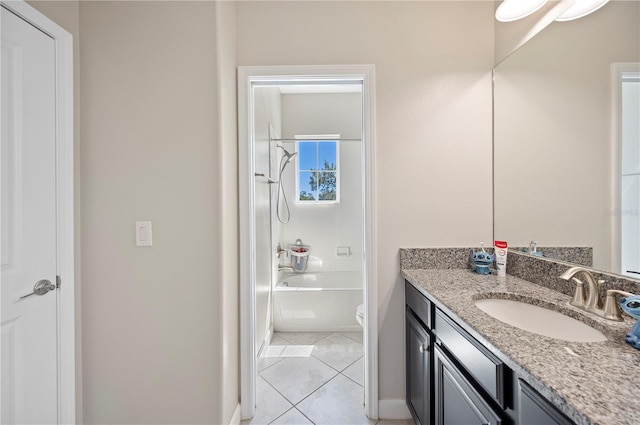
(393, 408)
(265, 344)
(269, 335)
(235, 419)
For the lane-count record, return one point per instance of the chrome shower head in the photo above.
(287, 154)
(290, 156)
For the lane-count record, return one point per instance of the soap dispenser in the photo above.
(533, 249)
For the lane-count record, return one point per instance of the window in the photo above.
(318, 171)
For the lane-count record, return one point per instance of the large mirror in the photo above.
(566, 138)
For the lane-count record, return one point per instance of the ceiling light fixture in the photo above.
(581, 8)
(512, 10)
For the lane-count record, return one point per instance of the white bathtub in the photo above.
(317, 302)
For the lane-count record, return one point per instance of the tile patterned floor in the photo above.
(313, 378)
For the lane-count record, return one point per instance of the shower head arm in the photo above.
(287, 154)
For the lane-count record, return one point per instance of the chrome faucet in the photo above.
(285, 268)
(593, 302)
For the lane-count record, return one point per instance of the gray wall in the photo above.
(433, 122)
(157, 92)
(227, 169)
(149, 131)
(157, 141)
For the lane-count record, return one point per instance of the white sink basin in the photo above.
(539, 320)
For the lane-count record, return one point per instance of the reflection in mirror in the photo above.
(556, 144)
(627, 110)
(509, 36)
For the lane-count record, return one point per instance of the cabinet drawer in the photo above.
(485, 368)
(420, 305)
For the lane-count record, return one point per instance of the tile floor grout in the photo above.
(292, 408)
(339, 372)
(338, 400)
(336, 375)
(307, 396)
(347, 336)
(336, 370)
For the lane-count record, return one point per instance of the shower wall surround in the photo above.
(267, 116)
(326, 227)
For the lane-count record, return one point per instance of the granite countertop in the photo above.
(592, 383)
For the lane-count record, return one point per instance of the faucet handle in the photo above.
(579, 297)
(599, 285)
(611, 305)
(280, 250)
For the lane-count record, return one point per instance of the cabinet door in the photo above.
(418, 370)
(456, 401)
(536, 410)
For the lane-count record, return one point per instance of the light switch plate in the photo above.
(144, 235)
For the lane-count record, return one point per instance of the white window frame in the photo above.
(319, 139)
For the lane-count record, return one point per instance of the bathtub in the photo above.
(317, 302)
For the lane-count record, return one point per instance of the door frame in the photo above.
(247, 77)
(617, 71)
(65, 203)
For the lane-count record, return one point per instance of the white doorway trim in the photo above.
(65, 195)
(617, 72)
(247, 77)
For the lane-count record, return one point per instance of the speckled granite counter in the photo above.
(592, 383)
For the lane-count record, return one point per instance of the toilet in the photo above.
(360, 314)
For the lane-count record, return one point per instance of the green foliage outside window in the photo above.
(318, 183)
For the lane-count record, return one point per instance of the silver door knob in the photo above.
(40, 288)
(421, 348)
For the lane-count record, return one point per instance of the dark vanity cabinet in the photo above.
(419, 356)
(453, 379)
(535, 409)
(456, 401)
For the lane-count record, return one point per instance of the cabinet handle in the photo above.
(421, 348)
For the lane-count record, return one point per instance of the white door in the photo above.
(28, 232)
